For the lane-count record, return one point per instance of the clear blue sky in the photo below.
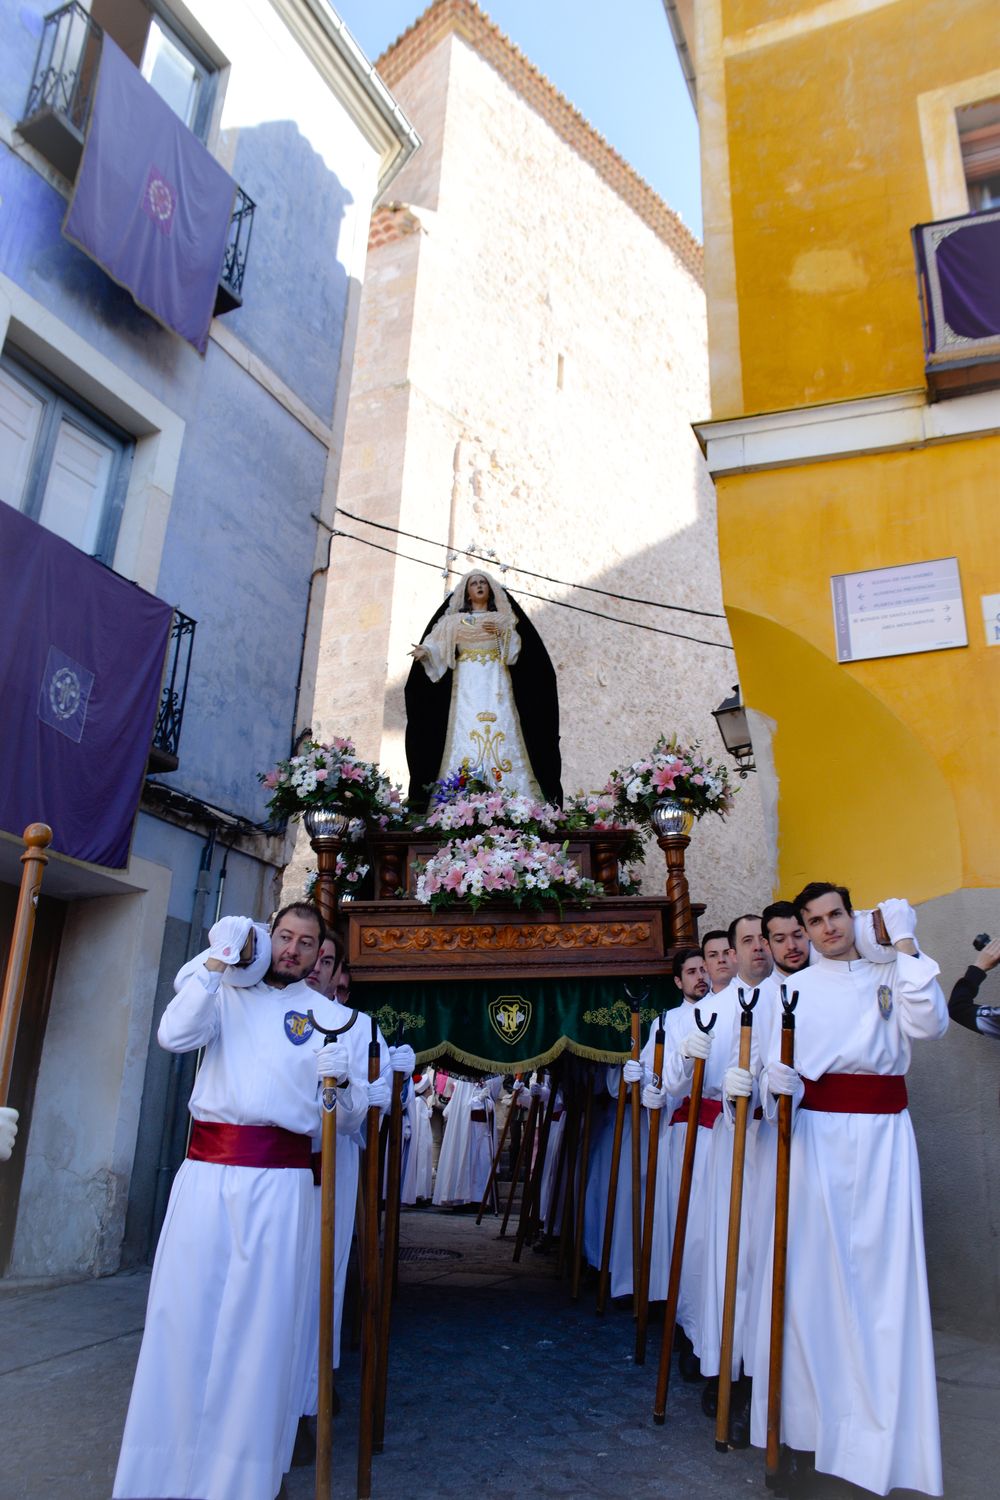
(615, 62)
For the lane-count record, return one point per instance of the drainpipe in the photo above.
(683, 50)
(305, 631)
(165, 1170)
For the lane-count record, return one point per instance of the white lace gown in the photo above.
(484, 730)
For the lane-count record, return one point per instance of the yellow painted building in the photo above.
(839, 445)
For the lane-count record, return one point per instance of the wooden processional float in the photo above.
(396, 945)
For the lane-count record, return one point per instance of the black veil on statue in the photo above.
(536, 696)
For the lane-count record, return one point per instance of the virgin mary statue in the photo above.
(482, 695)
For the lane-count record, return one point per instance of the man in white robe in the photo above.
(214, 1406)
(859, 1389)
(469, 1143)
(670, 1112)
(599, 1176)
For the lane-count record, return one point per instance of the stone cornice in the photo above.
(476, 28)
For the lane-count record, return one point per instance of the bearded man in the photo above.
(215, 1401)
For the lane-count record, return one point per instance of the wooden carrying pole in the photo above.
(581, 1202)
(780, 1243)
(389, 1245)
(327, 1267)
(680, 1230)
(733, 1250)
(37, 837)
(635, 1098)
(616, 1157)
(369, 1283)
(523, 1156)
(642, 1307)
(532, 1194)
(496, 1159)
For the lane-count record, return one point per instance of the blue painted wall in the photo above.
(240, 540)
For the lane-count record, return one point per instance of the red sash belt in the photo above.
(709, 1112)
(248, 1145)
(855, 1094)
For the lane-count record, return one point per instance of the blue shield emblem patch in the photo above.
(884, 1001)
(298, 1029)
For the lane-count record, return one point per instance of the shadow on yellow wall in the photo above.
(860, 800)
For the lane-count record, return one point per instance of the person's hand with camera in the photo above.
(963, 1006)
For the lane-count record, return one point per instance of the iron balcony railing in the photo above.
(58, 109)
(167, 734)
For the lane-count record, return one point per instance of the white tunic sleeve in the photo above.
(440, 647)
(510, 647)
(192, 1018)
(923, 1011)
(677, 1070)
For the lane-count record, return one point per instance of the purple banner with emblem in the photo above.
(81, 667)
(151, 205)
(958, 261)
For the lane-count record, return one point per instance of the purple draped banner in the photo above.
(151, 205)
(959, 262)
(81, 667)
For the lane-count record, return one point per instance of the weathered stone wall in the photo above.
(527, 368)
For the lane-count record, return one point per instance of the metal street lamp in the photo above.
(731, 717)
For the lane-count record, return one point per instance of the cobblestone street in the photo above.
(497, 1385)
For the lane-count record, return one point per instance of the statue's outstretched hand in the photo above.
(418, 653)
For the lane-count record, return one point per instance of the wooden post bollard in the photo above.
(37, 837)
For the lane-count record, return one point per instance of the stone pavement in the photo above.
(497, 1386)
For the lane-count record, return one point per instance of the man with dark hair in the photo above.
(691, 979)
(217, 1392)
(859, 1390)
(720, 960)
(785, 937)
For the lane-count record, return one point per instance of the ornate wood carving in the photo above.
(484, 938)
(673, 846)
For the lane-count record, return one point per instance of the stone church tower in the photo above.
(531, 351)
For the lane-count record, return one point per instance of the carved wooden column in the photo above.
(673, 846)
(389, 856)
(326, 828)
(673, 821)
(604, 856)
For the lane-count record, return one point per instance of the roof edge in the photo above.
(474, 26)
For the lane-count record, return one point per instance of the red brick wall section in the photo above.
(391, 222)
(476, 28)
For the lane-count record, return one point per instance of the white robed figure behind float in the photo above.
(466, 708)
(469, 1142)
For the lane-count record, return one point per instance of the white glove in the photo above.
(738, 1083)
(654, 1098)
(632, 1072)
(519, 1088)
(782, 1079)
(900, 919)
(540, 1091)
(404, 1059)
(8, 1130)
(697, 1044)
(866, 943)
(227, 939)
(379, 1094)
(479, 1096)
(333, 1061)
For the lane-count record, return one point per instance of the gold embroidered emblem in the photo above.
(510, 1017)
(490, 760)
(487, 718)
(482, 654)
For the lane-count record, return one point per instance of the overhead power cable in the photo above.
(527, 594)
(684, 609)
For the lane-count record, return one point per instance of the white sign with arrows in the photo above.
(897, 611)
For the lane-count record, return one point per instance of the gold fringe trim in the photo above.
(521, 1064)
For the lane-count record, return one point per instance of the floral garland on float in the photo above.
(339, 795)
(671, 788)
(503, 865)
